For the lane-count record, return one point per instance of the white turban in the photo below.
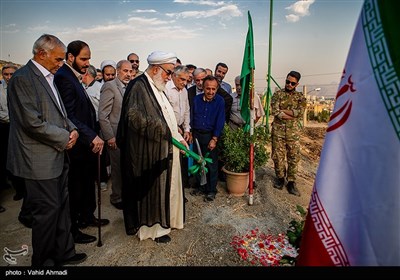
(159, 57)
(108, 63)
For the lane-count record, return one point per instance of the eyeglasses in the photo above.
(169, 72)
(134, 61)
(291, 83)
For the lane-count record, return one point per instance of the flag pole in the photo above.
(247, 97)
(269, 92)
(252, 116)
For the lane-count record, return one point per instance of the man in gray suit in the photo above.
(40, 134)
(111, 95)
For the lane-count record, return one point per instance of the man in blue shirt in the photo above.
(207, 122)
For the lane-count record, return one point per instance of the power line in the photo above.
(309, 75)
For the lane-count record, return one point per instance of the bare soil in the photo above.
(209, 228)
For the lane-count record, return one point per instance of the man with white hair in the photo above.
(236, 121)
(152, 194)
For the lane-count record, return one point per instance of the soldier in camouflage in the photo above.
(287, 107)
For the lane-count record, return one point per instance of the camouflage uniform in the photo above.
(286, 133)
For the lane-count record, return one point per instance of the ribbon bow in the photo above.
(200, 161)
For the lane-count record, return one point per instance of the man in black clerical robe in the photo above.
(151, 190)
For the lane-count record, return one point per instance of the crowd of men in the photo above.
(61, 116)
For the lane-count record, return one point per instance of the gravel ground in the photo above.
(209, 228)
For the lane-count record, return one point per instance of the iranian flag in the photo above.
(354, 213)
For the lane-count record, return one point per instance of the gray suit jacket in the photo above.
(111, 96)
(39, 127)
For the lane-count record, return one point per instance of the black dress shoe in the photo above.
(131, 231)
(2, 209)
(83, 238)
(196, 192)
(209, 197)
(25, 221)
(117, 205)
(18, 196)
(163, 239)
(93, 223)
(96, 222)
(76, 259)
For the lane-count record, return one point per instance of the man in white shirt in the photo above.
(177, 95)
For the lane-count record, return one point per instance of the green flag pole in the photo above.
(269, 92)
(246, 73)
(247, 97)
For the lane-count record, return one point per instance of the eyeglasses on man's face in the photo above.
(169, 72)
(134, 61)
(291, 83)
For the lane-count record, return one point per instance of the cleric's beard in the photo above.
(159, 81)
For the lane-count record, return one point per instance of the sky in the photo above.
(309, 36)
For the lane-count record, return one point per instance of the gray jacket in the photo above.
(39, 127)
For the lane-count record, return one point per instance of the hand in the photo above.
(97, 145)
(286, 115)
(187, 136)
(183, 142)
(212, 144)
(112, 143)
(73, 136)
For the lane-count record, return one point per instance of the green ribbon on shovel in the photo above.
(200, 161)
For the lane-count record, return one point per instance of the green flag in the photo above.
(246, 79)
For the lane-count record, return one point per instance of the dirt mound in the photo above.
(312, 140)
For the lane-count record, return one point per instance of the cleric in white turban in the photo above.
(160, 57)
(152, 193)
(105, 63)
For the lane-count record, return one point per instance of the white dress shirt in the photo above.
(180, 103)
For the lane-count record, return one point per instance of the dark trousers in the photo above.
(184, 170)
(82, 190)
(51, 228)
(104, 162)
(4, 132)
(17, 182)
(25, 212)
(212, 174)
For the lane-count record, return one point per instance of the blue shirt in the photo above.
(208, 115)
